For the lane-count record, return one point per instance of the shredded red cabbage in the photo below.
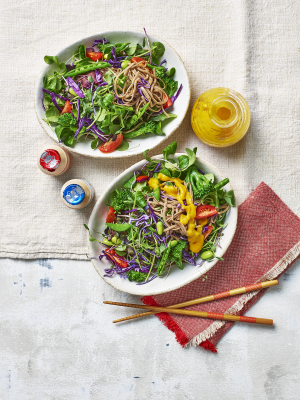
(75, 87)
(150, 59)
(54, 102)
(55, 94)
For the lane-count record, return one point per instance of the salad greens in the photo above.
(168, 213)
(109, 93)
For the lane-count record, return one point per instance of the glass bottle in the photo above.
(220, 117)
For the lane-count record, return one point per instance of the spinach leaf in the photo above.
(131, 50)
(183, 162)
(191, 155)
(170, 149)
(52, 114)
(123, 146)
(152, 165)
(157, 49)
(62, 132)
(166, 172)
(118, 227)
(69, 141)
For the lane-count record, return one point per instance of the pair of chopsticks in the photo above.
(176, 308)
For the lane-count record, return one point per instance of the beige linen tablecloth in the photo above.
(252, 47)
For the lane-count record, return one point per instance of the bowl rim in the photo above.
(110, 188)
(122, 155)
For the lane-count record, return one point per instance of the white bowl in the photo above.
(139, 145)
(177, 278)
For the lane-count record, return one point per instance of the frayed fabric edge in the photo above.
(278, 268)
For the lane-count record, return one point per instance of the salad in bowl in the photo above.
(110, 94)
(169, 214)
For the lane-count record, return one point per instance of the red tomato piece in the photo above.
(205, 211)
(138, 59)
(206, 233)
(168, 103)
(93, 55)
(67, 107)
(112, 144)
(142, 178)
(118, 260)
(111, 216)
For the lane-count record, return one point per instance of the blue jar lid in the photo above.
(74, 194)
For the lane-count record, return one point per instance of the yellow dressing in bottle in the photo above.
(220, 117)
(194, 234)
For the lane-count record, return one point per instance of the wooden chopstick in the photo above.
(206, 299)
(202, 314)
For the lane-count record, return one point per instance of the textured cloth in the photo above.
(266, 242)
(251, 47)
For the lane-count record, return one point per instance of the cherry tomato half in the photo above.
(112, 144)
(93, 55)
(138, 59)
(142, 178)
(67, 107)
(168, 103)
(111, 216)
(118, 260)
(205, 211)
(206, 233)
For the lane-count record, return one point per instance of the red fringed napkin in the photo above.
(266, 243)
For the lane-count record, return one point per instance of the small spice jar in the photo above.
(53, 160)
(77, 193)
(220, 117)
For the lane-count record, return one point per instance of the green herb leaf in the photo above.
(51, 59)
(144, 155)
(170, 149)
(229, 198)
(162, 117)
(94, 144)
(86, 227)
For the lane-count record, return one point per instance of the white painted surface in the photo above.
(58, 343)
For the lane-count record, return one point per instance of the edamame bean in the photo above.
(124, 64)
(107, 242)
(206, 255)
(114, 239)
(72, 92)
(159, 227)
(173, 243)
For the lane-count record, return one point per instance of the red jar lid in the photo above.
(50, 160)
